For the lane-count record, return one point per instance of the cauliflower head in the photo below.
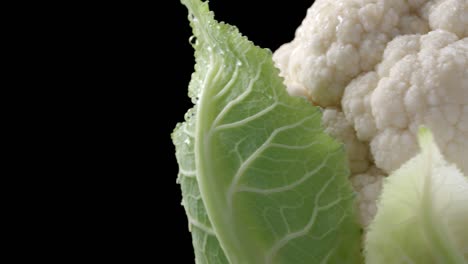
(380, 69)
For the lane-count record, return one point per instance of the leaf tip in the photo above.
(425, 139)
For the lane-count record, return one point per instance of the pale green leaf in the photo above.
(274, 185)
(205, 243)
(422, 215)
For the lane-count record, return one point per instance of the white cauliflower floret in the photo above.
(422, 80)
(368, 187)
(380, 69)
(337, 126)
(340, 39)
(449, 15)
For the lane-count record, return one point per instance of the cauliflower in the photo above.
(421, 80)
(368, 186)
(357, 151)
(380, 69)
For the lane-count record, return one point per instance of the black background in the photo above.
(268, 24)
